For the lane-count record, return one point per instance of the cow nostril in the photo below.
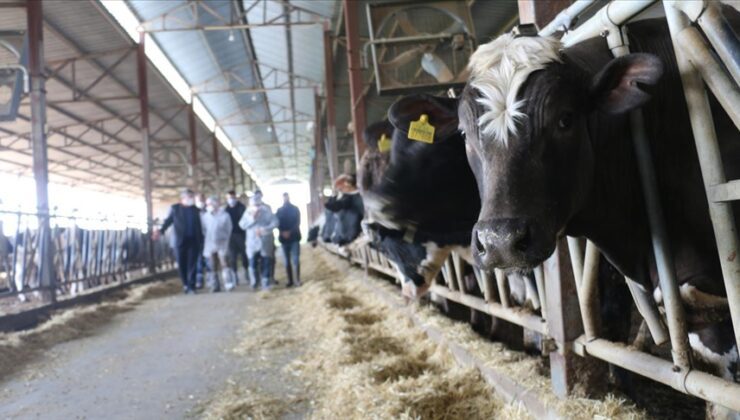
(523, 242)
(478, 244)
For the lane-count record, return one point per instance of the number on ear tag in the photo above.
(384, 144)
(421, 130)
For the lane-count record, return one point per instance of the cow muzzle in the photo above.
(504, 243)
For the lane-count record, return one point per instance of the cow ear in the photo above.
(442, 113)
(615, 88)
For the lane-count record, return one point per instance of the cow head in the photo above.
(524, 113)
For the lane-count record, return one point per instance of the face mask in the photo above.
(189, 201)
(210, 208)
(231, 201)
(199, 204)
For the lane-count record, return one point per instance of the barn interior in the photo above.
(115, 115)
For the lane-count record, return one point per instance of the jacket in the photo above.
(216, 232)
(289, 219)
(236, 214)
(177, 218)
(259, 216)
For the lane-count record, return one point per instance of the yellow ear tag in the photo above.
(421, 130)
(384, 144)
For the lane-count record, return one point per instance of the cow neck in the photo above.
(612, 213)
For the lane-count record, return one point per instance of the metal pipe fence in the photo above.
(86, 253)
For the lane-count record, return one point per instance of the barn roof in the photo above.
(252, 68)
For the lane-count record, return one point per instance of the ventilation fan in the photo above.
(418, 47)
(13, 73)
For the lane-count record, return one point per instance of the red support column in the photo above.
(37, 95)
(193, 136)
(141, 64)
(331, 125)
(351, 29)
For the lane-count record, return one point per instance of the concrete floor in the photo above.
(161, 360)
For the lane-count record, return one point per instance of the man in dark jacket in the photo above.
(188, 239)
(238, 239)
(289, 225)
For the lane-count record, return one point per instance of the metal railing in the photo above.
(83, 255)
(567, 285)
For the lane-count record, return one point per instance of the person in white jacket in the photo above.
(216, 225)
(259, 222)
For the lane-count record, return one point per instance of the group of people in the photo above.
(210, 239)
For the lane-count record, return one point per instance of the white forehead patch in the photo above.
(498, 69)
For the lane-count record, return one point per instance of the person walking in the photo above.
(289, 226)
(217, 231)
(188, 237)
(238, 239)
(259, 222)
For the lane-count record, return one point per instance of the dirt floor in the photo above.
(329, 349)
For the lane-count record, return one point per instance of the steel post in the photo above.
(39, 145)
(141, 73)
(193, 136)
(351, 29)
(332, 153)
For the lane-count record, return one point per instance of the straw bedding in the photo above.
(355, 357)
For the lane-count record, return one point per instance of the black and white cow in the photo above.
(427, 202)
(548, 138)
(374, 161)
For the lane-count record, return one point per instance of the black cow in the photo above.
(548, 138)
(427, 202)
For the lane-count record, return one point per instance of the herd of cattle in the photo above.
(537, 146)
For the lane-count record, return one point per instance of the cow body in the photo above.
(559, 159)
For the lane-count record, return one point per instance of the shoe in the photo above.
(189, 291)
(290, 284)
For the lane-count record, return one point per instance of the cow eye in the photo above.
(565, 121)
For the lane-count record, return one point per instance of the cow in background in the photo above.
(375, 160)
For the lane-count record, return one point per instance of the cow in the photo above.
(548, 138)
(427, 202)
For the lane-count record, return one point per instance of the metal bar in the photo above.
(518, 317)
(661, 246)
(331, 129)
(692, 382)
(503, 290)
(105, 73)
(193, 134)
(539, 278)
(729, 191)
(588, 292)
(168, 120)
(565, 19)
(712, 170)
(38, 139)
(233, 173)
(724, 89)
(647, 308)
(576, 258)
(146, 159)
(248, 90)
(237, 26)
(720, 34)
(614, 13)
(289, 52)
(352, 28)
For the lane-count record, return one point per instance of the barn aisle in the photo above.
(160, 358)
